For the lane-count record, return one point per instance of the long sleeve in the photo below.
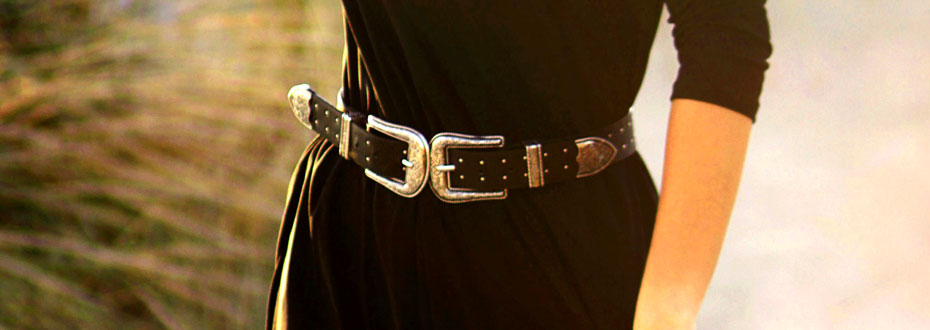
(723, 47)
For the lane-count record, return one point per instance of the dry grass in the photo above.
(145, 149)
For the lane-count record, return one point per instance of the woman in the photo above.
(354, 253)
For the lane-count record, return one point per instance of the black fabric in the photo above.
(353, 255)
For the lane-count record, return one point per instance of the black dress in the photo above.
(352, 254)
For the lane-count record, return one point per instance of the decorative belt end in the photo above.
(300, 97)
(594, 155)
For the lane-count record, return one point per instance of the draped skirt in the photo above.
(353, 255)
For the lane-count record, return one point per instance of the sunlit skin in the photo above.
(704, 153)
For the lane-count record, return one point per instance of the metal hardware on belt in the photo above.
(415, 173)
(430, 160)
(440, 169)
(534, 165)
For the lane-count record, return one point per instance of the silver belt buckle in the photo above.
(415, 173)
(439, 168)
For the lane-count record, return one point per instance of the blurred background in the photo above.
(146, 146)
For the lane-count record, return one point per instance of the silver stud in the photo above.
(461, 160)
(327, 129)
(367, 159)
(462, 177)
(565, 167)
(326, 113)
(504, 177)
(504, 161)
(610, 135)
(545, 154)
(367, 142)
(623, 146)
(524, 157)
(316, 105)
(480, 162)
(405, 152)
(546, 171)
(316, 122)
(481, 178)
(524, 174)
(621, 129)
(337, 136)
(565, 150)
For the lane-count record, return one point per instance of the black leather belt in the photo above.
(460, 167)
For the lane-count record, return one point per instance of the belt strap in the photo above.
(529, 165)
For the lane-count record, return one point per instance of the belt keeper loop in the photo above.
(345, 128)
(534, 165)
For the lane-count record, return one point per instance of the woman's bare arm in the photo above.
(704, 153)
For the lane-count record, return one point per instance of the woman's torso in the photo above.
(525, 70)
(564, 256)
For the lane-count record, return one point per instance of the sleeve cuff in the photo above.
(723, 64)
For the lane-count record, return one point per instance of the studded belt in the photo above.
(458, 167)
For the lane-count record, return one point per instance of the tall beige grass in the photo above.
(145, 148)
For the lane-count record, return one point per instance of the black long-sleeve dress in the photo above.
(352, 254)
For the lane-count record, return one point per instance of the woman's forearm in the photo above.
(704, 153)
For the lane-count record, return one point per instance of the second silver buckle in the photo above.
(439, 168)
